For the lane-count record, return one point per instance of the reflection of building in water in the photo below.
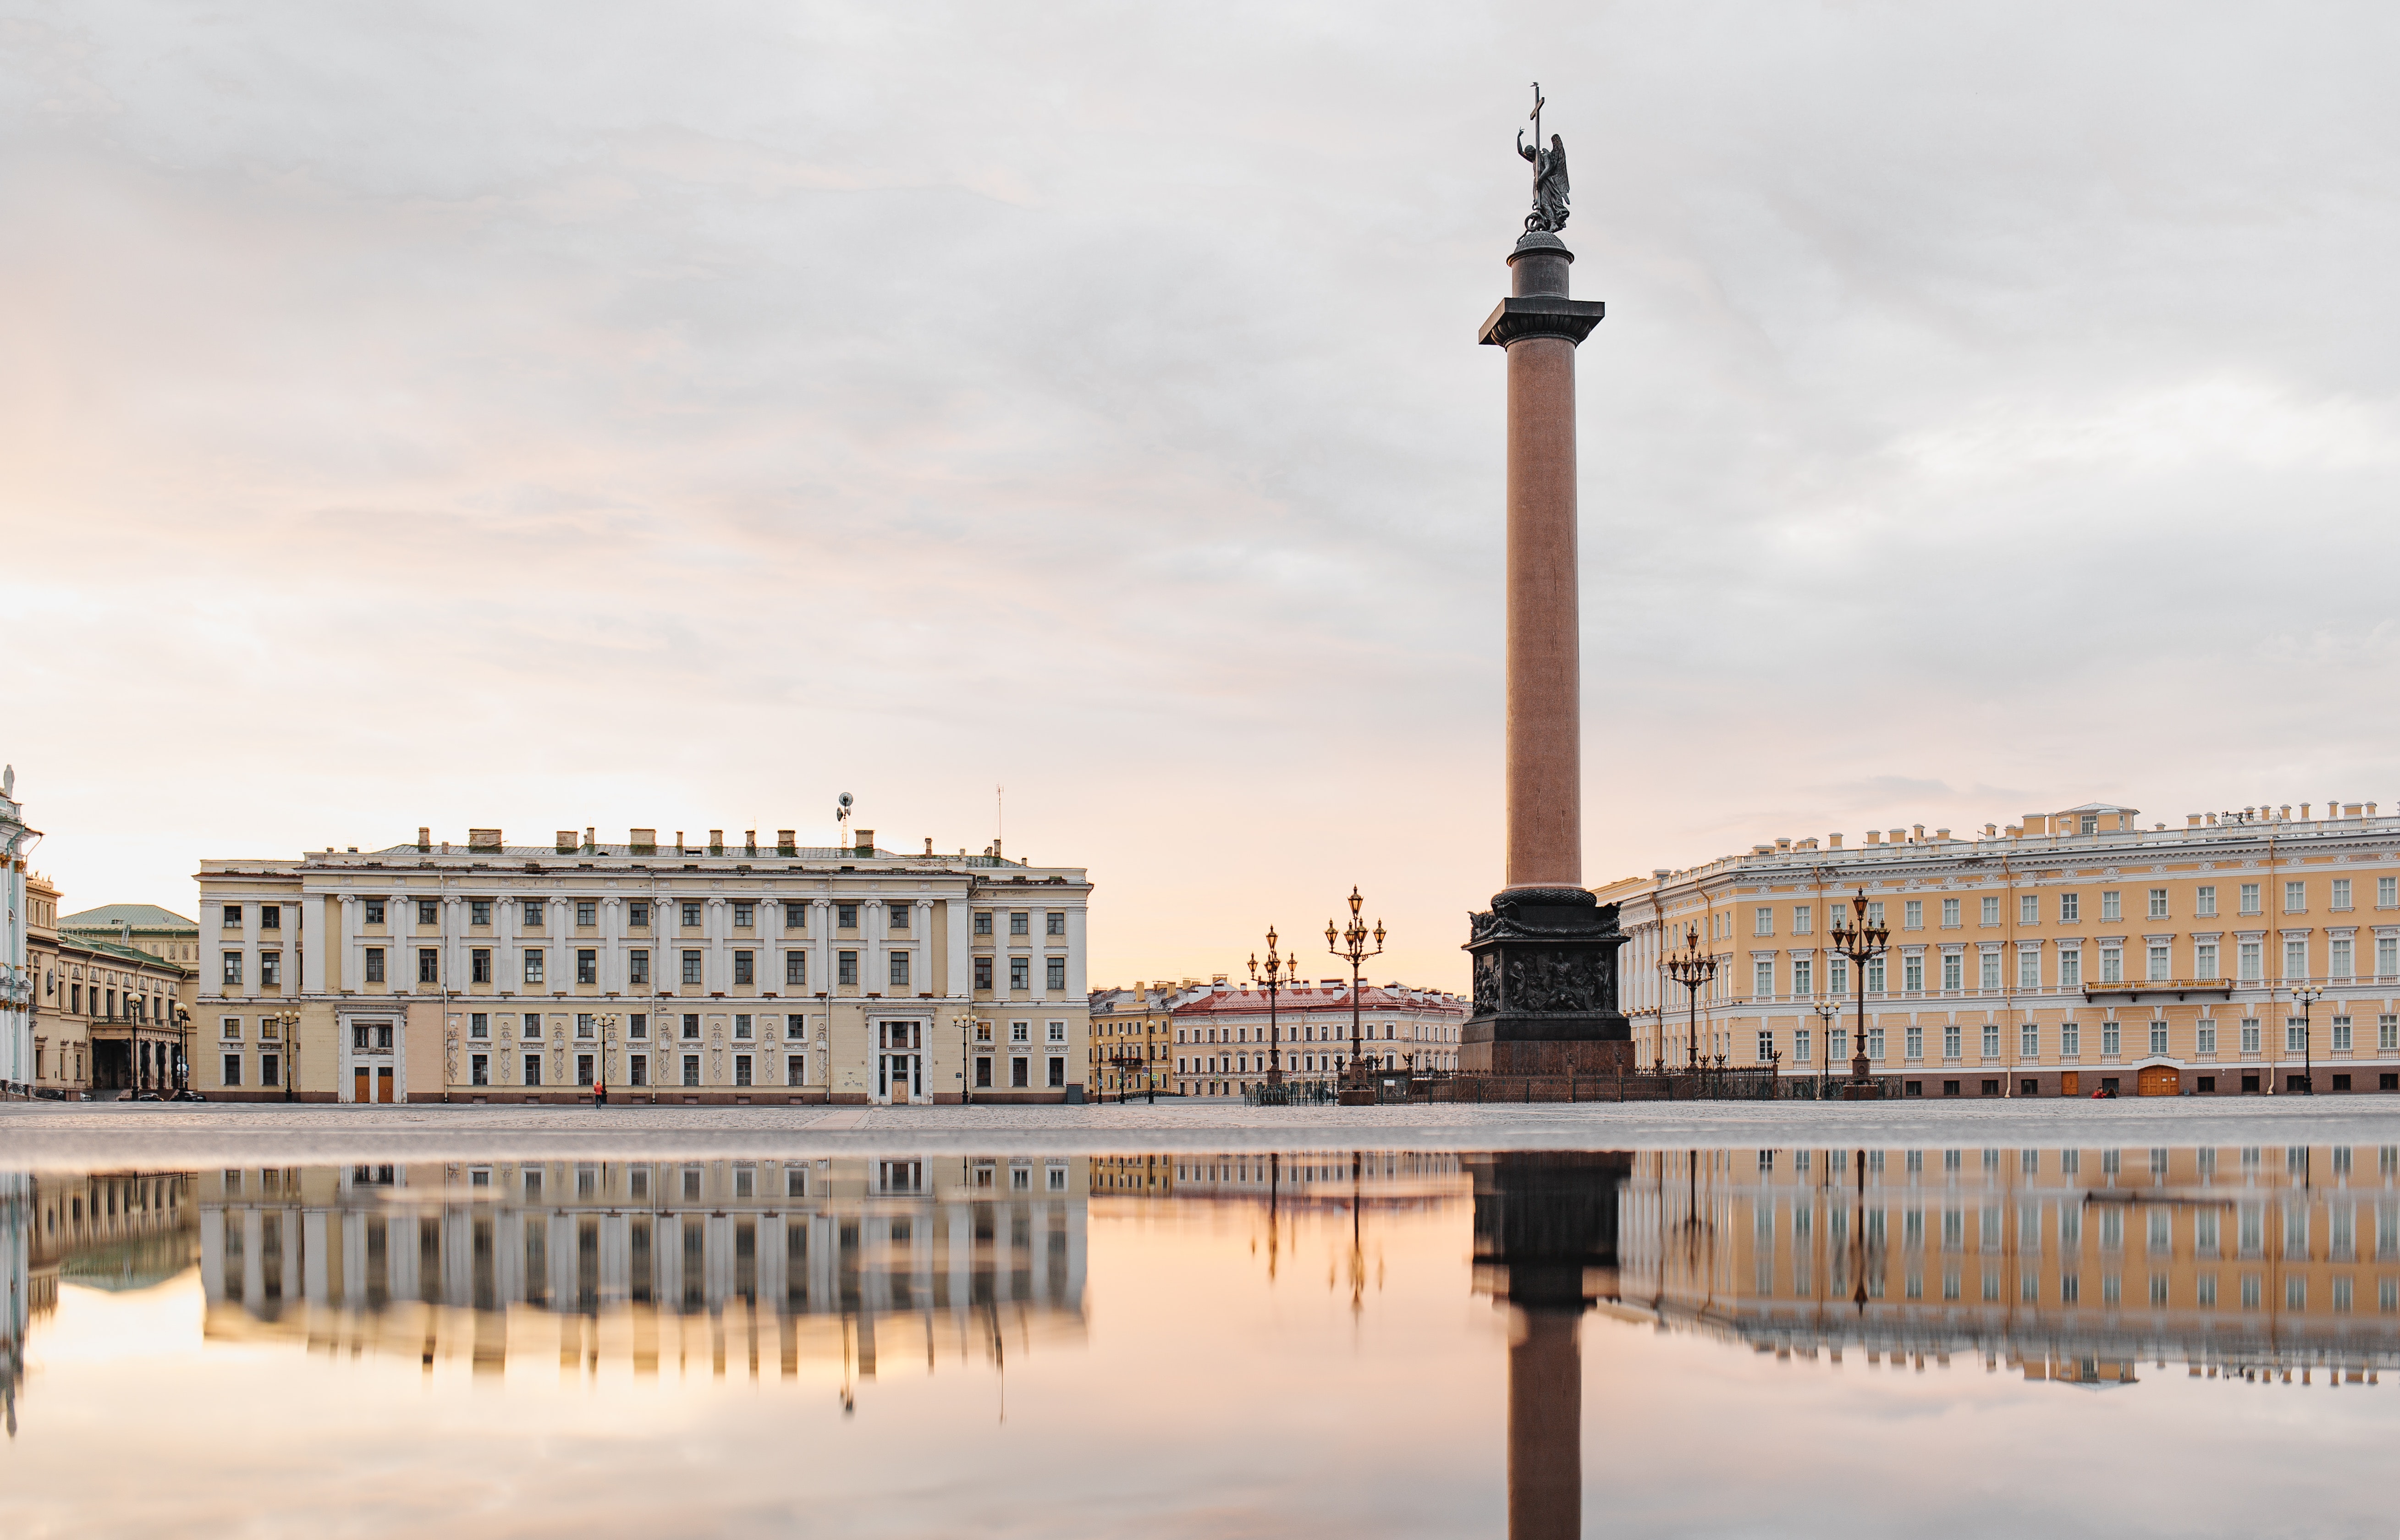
(113, 1230)
(820, 1259)
(1382, 1179)
(2069, 1264)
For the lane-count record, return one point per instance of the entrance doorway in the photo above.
(900, 1062)
(371, 1084)
(2159, 1080)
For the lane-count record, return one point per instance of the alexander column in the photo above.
(1545, 952)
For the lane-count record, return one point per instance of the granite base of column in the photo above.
(1546, 988)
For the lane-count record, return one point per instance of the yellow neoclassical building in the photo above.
(688, 972)
(2255, 951)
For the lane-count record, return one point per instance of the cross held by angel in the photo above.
(1550, 174)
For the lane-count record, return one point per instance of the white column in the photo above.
(613, 945)
(920, 928)
(1076, 953)
(958, 977)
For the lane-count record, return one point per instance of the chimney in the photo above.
(1875, 836)
(567, 842)
(1832, 842)
(424, 837)
(788, 842)
(483, 839)
(1896, 836)
(644, 841)
(865, 845)
(1917, 833)
(2306, 806)
(591, 837)
(1940, 835)
(716, 841)
(679, 842)
(749, 841)
(1783, 842)
(2191, 819)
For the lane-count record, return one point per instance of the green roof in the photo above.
(142, 916)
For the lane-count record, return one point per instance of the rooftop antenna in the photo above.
(842, 806)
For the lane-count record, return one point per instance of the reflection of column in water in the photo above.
(1546, 1244)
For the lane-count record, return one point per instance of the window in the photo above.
(478, 1025)
(2250, 898)
(1953, 965)
(898, 913)
(2070, 1039)
(428, 912)
(232, 1075)
(2295, 897)
(232, 919)
(1803, 1045)
(533, 913)
(2070, 968)
(2387, 955)
(2070, 908)
(1765, 1046)
(2028, 908)
(1804, 981)
(530, 1025)
(638, 1025)
(1950, 1040)
(587, 912)
(1950, 914)
(690, 1026)
(479, 964)
(983, 973)
(1990, 979)
(2387, 1033)
(375, 965)
(1016, 924)
(637, 916)
(691, 1070)
(1913, 915)
(2338, 956)
(743, 1028)
(1875, 911)
(428, 965)
(533, 966)
(691, 917)
(270, 970)
(1912, 973)
(1020, 1031)
(2253, 960)
(845, 968)
(1762, 984)
(2112, 964)
(1054, 922)
(796, 968)
(2158, 1037)
(2204, 901)
(2203, 960)
(2112, 905)
(2296, 1034)
(2112, 1038)
(2161, 962)
(795, 917)
(2203, 1037)
(2342, 1034)
(983, 922)
(637, 965)
(1055, 974)
(2296, 959)
(1763, 921)
(229, 1029)
(1803, 920)
(587, 965)
(2029, 1043)
(1874, 984)
(744, 916)
(1020, 973)
(2250, 1034)
(899, 970)
(1057, 1072)
(479, 911)
(2387, 891)
(744, 968)
(845, 917)
(374, 912)
(1991, 911)
(533, 1071)
(479, 1068)
(2028, 968)
(692, 967)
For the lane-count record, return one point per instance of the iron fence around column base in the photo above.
(1731, 1083)
(1291, 1094)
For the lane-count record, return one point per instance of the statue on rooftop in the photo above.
(1550, 174)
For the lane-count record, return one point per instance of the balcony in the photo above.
(2133, 990)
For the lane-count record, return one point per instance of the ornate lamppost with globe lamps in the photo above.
(1692, 969)
(1279, 971)
(1828, 1011)
(2308, 995)
(1861, 943)
(1349, 944)
(290, 1022)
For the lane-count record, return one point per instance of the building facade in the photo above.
(1133, 1036)
(2255, 951)
(713, 971)
(1224, 1043)
(107, 1016)
(161, 932)
(17, 841)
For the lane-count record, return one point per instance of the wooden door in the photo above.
(383, 1083)
(2070, 1084)
(2160, 1079)
(362, 1087)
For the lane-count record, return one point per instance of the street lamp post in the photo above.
(2308, 995)
(290, 1022)
(608, 1042)
(965, 1020)
(1279, 971)
(1861, 943)
(1692, 969)
(1828, 1011)
(1352, 948)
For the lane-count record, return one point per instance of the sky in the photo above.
(553, 415)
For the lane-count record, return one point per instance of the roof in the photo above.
(100, 947)
(1303, 998)
(142, 916)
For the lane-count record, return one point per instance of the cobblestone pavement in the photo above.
(51, 1136)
